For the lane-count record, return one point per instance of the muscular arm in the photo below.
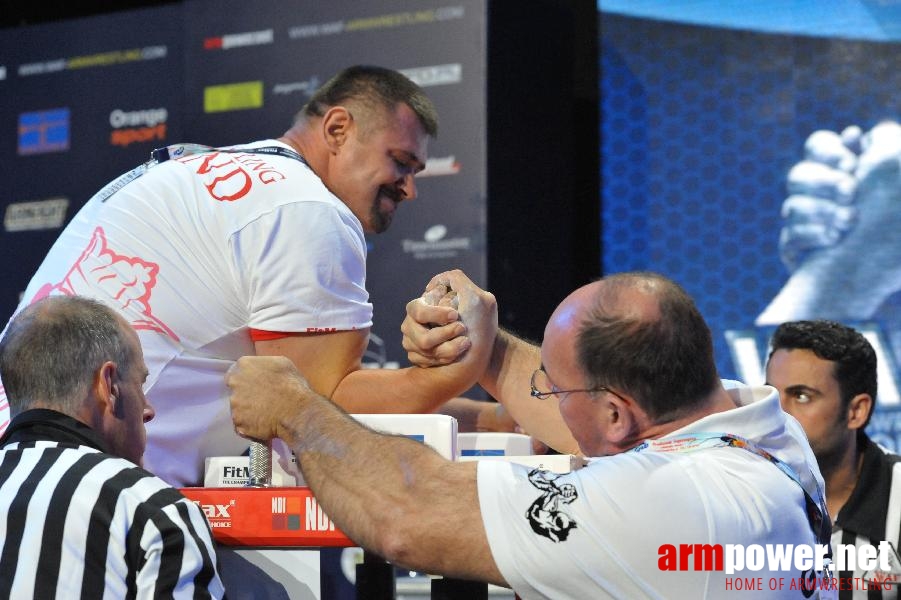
(324, 359)
(331, 364)
(410, 390)
(507, 378)
(390, 494)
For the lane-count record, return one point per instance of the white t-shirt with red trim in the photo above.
(597, 532)
(195, 254)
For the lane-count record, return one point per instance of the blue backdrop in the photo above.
(700, 128)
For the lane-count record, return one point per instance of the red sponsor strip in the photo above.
(277, 516)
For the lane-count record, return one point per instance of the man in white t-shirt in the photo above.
(255, 249)
(690, 473)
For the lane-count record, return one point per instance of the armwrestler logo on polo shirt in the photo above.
(546, 515)
(126, 280)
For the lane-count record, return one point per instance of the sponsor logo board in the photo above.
(35, 216)
(44, 131)
(233, 96)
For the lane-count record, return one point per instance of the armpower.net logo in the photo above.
(807, 567)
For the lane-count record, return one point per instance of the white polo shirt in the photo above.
(598, 532)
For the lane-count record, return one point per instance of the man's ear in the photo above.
(106, 388)
(621, 420)
(859, 409)
(336, 125)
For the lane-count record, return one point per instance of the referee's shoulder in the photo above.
(134, 480)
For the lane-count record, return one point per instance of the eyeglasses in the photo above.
(540, 380)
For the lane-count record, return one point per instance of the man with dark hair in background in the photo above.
(826, 375)
(78, 516)
(626, 374)
(216, 253)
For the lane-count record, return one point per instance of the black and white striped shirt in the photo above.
(76, 522)
(871, 514)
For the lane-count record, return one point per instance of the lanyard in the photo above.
(817, 515)
(161, 155)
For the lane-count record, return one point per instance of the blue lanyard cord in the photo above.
(161, 155)
(817, 514)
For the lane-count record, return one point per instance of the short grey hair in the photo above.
(52, 349)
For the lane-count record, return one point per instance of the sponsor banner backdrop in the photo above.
(83, 101)
(88, 99)
(703, 131)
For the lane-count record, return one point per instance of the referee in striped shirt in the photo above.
(78, 517)
(826, 376)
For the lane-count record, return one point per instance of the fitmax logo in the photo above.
(235, 472)
(216, 511)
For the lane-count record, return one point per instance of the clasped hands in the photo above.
(452, 325)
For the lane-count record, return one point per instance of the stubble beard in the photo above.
(380, 220)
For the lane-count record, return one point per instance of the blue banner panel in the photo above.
(759, 170)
